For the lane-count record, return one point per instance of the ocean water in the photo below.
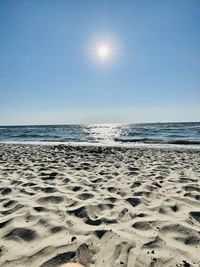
(146, 134)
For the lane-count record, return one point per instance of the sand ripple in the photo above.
(99, 206)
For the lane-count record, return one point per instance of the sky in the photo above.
(50, 72)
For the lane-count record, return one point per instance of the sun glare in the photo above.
(103, 51)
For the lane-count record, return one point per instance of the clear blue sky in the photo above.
(48, 73)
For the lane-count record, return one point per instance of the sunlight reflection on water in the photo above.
(107, 133)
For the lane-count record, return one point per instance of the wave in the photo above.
(157, 141)
(184, 142)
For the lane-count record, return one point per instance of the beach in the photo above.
(99, 206)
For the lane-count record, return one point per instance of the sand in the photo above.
(99, 206)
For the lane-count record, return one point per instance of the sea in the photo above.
(183, 135)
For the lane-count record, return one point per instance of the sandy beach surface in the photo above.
(103, 207)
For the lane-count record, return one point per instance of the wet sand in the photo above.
(99, 206)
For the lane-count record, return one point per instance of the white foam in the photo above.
(106, 144)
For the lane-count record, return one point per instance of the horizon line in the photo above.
(86, 124)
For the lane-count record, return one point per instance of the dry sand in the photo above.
(103, 207)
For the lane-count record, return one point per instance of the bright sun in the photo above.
(103, 51)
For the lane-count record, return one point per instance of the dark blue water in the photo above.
(111, 134)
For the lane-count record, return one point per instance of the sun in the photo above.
(103, 51)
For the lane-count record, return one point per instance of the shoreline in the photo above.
(175, 147)
(99, 206)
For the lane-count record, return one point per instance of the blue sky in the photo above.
(49, 72)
